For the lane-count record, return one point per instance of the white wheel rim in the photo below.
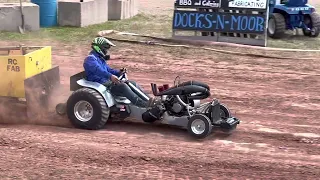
(271, 26)
(198, 126)
(83, 111)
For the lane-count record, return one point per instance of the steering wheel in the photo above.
(123, 77)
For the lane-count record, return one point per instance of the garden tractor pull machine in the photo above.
(91, 105)
(290, 15)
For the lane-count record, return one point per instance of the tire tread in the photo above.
(280, 26)
(315, 18)
(104, 108)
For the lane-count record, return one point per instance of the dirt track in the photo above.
(277, 101)
(278, 138)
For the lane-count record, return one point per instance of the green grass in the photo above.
(141, 23)
(146, 24)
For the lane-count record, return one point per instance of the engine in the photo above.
(172, 106)
(175, 100)
(175, 108)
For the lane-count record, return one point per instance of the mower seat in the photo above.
(198, 83)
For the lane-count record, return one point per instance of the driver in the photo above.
(97, 70)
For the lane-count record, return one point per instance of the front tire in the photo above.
(199, 126)
(87, 109)
(276, 26)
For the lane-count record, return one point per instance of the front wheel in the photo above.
(199, 126)
(276, 26)
(87, 109)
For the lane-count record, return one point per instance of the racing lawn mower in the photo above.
(91, 105)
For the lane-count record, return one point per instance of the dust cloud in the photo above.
(12, 111)
(32, 109)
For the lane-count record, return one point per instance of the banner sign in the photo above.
(218, 22)
(244, 4)
(197, 3)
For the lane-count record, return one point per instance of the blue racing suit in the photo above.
(97, 70)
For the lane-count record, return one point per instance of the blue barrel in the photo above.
(48, 12)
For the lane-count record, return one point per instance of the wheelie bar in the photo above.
(229, 123)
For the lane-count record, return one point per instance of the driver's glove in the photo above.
(114, 79)
(123, 70)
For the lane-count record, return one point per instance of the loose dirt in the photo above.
(278, 138)
(277, 101)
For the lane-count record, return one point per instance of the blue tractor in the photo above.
(292, 14)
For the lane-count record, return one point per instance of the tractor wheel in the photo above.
(86, 109)
(199, 126)
(276, 26)
(314, 19)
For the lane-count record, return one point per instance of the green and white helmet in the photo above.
(101, 45)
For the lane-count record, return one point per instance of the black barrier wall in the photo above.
(235, 21)
(218, 22)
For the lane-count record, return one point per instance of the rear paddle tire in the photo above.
(199, 126)
(87, 109)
